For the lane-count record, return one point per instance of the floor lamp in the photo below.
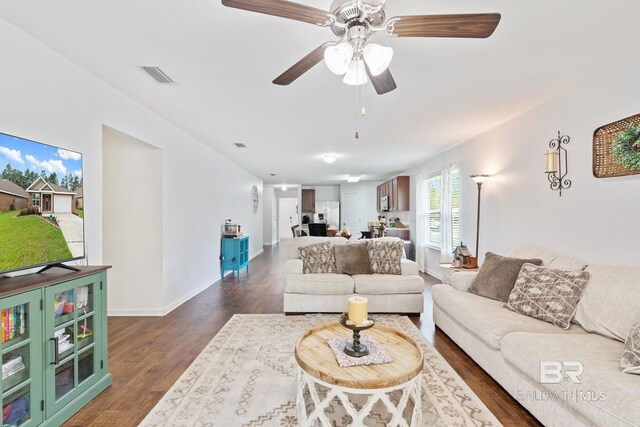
(479, 179)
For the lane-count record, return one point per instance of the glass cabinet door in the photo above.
(71, 349)
(21, 344)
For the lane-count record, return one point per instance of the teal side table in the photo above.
(234, 255)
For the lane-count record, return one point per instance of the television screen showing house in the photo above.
(41, 204)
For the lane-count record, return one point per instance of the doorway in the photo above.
(287, 217)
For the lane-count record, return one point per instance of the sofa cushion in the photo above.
(386, 284)
(352, 259)
(611, 302)
(317, 258)
(616, 396)
(409, 268)
(527, 251)
(498, 275)
(385, 256)
(293, 266)
(630, 362)
(488, 319)
(310, 240)
(547, 294)
(567, 263)
(319, 284)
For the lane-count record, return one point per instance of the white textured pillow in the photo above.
(611, 301)
(630, 362)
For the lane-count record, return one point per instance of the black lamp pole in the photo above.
(479, 179)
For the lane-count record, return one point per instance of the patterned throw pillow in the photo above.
(547, 294)
(631, 357)
(385, 256)
(317, 258)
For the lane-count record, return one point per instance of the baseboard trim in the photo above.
(256, 254)
(437, 275)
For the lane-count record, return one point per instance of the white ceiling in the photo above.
(224, 60)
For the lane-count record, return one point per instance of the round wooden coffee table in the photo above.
(318, 366)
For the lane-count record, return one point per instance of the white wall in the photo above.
(47, 98)
(595, 219)
(325, 193)
(132, 236)
(270, 216)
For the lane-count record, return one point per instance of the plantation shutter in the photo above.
(455, 208)
(433, 216)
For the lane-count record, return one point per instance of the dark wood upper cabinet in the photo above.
(309, 201)
(398, 190)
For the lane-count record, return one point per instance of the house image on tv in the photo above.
(12, 196)
(51, 198)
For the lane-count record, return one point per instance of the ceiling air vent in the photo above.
(158, 75)
(240, 145)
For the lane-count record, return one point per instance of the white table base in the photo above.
(411, 390)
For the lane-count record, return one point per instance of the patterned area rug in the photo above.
(246, 376)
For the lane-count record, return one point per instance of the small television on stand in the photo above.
(41, 205)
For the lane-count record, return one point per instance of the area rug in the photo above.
(246, 376)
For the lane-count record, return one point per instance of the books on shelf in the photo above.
(13, 323)
(11, 366)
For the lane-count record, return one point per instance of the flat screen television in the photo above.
(41, 205)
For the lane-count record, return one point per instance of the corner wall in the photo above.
(594, 220)
(47, 98)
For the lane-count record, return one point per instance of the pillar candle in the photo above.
(358, 309)
(551, 161)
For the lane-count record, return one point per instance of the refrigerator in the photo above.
(331, 211)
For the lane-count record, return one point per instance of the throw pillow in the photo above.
(498, 275)
(317, 258)
(385, 256)
(548, 294)
(352, 259)
(631, 357)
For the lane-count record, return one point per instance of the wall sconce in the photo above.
(556, 164)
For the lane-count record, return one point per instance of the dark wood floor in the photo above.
(148, 354)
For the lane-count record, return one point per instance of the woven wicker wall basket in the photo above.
(605, 164)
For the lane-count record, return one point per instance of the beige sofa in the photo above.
(511, 347)
(328, 293)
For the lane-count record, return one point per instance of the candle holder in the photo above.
(355, 349)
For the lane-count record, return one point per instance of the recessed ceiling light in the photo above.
(329, 158)
(240, 145)
(284, 188)
(272, 174)
(353, 178)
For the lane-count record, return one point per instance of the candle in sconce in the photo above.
(551, 161)
(358, 309)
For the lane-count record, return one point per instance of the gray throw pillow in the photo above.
(498, 275)
(548, 294)
(385, 256)
(317, 258)
(630, 362)
(352, 259)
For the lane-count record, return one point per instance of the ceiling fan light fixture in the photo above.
(356, 74)
(377, 58)
(338, 57)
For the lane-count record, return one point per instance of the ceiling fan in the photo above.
(355, 21)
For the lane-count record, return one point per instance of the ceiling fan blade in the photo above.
(383, 82)
(479, 25)
(302, 66)
(283, 9)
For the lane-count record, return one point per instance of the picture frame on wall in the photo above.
(616, 148)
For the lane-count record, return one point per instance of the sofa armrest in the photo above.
(461, 280)
(293, 266)
(408, 268)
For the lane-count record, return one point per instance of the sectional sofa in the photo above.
(513, 348)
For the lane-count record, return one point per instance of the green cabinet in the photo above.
(21, 337)
(54, 349)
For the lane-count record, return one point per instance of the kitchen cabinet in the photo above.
(398, 190)
(308, 201)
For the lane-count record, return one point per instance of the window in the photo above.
(35, 199)
(442, 210)
(433, 215)
(455, 208)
